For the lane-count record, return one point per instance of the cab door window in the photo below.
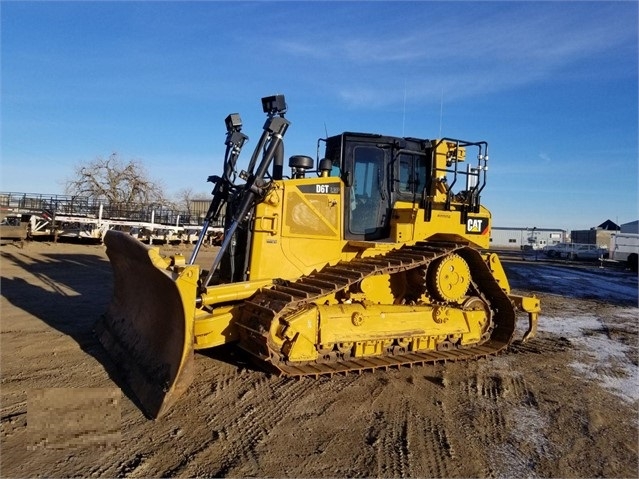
(368, 203)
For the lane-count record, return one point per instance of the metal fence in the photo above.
(80, 206)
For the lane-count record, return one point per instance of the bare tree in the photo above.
(183, 199)
(190, 203)
(121, 184)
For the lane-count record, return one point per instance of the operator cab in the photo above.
(377, 171)
(381, 170)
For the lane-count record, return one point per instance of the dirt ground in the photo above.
(562, 405)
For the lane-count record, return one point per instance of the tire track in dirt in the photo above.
(409, 439)
(388, 434)
(491, 404)
(253, 404)
(431, 443)
(490, 388)
(478, 418)
(347, 399)
(137, 464)
(541, 345)
(217, 387)
(13, 419)
(232, 447)
(511, 420)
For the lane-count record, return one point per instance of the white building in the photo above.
(525, 238)
(632, 227)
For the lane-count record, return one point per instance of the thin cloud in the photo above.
(510, 47)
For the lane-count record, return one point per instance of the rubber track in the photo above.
(285, 299)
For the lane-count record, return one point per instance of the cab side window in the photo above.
(412, 174)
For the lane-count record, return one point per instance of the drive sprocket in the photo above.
(448, 278)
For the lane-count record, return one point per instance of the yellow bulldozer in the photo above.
(375, 259)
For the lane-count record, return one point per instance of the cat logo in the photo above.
(477, 226)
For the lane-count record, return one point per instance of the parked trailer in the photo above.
(14, 227)
(625, 247)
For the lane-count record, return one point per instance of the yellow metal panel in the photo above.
(408, 225)
(224, 293)
(356, 322)
(300, 334)
(311, 216)
(498, 271)
(298, 228)
(217, 328)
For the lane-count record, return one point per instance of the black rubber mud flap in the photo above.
(148, 327)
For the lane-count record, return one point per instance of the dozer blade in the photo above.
(148, 327)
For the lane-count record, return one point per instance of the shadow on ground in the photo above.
(72, 291)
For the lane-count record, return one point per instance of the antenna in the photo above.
(404, 112)
(441, 111)
(325, 130)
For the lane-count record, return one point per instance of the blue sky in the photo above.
(552, 86)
